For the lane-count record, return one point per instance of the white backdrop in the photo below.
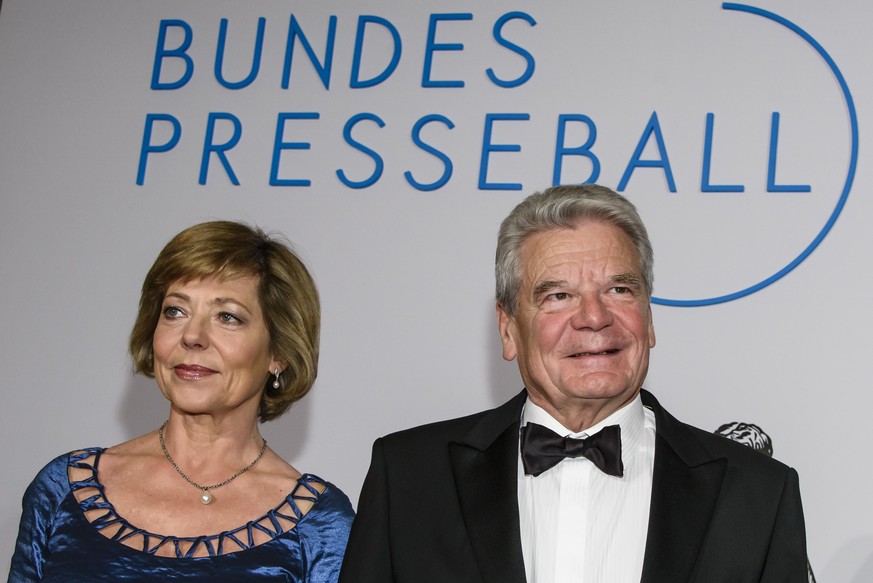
(405, 274)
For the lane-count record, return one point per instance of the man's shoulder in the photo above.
(488, 422)
(735, 452)
(696, 445)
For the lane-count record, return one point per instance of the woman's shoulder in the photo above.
(53, 475)
(51, 484)
(324, 531)
(330, 504)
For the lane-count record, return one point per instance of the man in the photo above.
(490, 498)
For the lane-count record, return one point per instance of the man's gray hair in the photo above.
(562, 207)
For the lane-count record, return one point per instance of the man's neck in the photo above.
(579, 415)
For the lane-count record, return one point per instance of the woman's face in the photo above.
(212, 346)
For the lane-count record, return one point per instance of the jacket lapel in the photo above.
(685, 488)
(485, 470)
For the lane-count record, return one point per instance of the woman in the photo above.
(228, 326)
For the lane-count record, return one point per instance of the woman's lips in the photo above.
(192, 371)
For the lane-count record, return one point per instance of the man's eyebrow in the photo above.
(628, 278)
(548, 285)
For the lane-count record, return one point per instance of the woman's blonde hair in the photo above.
(286, 291)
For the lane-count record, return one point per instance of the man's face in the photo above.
(583, 327)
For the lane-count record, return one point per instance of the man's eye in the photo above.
(558, 296)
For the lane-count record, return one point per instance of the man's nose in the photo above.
(591, 313)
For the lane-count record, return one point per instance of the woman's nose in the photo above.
(195, 334)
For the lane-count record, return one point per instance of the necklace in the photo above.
(206, 496)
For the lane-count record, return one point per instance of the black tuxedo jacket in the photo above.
(440, 505)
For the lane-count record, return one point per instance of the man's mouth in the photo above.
(601, 353)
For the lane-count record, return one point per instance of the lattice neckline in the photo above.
(277, 521)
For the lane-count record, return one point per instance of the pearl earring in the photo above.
(276, 383)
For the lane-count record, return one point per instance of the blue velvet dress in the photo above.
(57, 543)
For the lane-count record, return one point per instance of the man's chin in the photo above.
(604, 384)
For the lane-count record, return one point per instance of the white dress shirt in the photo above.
(580, 525)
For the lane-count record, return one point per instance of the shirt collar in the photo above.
(631, 418)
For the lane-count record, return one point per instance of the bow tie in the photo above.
(543, 449)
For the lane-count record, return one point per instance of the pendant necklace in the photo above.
(206, 496)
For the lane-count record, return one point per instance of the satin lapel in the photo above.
(485, 471)
(685, 488)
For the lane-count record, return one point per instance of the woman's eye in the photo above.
(228, 318)
(172, 312)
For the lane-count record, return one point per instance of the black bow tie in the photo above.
(542, 449)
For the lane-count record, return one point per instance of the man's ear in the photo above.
(651, 329)
(506, 327)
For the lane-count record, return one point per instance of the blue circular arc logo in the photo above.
(850, 175)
